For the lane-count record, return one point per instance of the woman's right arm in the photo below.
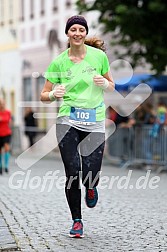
(49, 94)
(45, 91)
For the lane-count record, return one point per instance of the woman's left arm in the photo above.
(109, 78)
(105, 82)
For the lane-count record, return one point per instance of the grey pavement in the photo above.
(35, 217)
(7, 241)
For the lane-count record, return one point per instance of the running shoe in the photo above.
(91, 197)
(77, 229)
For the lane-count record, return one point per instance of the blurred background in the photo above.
(32, 35)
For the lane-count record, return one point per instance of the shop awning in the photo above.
(156, 83)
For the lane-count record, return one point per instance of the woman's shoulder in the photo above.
(96, 55)
(95, 50)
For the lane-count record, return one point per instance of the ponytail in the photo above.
(95, 42)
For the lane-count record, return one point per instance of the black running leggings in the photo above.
(87, 158)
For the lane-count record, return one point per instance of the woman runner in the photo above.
(79, 76)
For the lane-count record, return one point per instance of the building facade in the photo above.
(10, 60)
(32, 35)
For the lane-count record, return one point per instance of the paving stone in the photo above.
(7, 241)
(123, 220)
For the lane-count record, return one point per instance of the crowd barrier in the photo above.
(128, 147)
(137, 146)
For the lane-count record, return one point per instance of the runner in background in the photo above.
(5, 137)
(80, 75)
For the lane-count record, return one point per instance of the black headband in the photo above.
(76, 20)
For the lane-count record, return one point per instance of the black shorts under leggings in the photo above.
(77, 156)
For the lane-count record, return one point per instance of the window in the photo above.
(27, 92)
(12, 101)
(40, 83)
(23, 39)
(68, 3)
(42, 7)
(42, 122)
(32, 33)
(11, 11)
(2, 12)
(55, 5)
(31, 9)
(53, 39)
(22, 10)
(42, 31)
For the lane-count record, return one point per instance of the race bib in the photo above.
(82, 116)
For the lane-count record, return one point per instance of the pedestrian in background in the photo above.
(30, 126)
(80, 75)
(5, 136)
(160, 120)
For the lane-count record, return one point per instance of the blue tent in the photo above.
(156, 83)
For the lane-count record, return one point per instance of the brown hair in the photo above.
(94, 42)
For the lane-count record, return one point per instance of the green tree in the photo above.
(139, 26)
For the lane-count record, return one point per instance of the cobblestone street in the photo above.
(38, 219)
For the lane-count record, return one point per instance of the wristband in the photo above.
(52, 96)
(105, 84)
